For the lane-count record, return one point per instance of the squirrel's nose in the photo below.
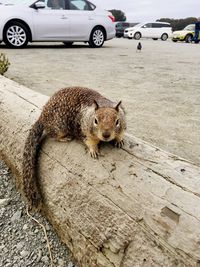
(106, 135)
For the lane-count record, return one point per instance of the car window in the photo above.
(147, 25)
(166, 25)
(122, 25)
(80, 5)
(160, 25)
(155, 25)
(54, 4)
(125, 24)
(189, 28)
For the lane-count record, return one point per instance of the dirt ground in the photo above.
(159, 87)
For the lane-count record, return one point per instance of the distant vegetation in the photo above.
(178, 24)
(118, 14)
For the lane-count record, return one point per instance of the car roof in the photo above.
(156, 22)
(15, 2)
(167, 23)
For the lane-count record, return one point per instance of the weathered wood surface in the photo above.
(138, 206)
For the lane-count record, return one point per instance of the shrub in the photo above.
(4, 63)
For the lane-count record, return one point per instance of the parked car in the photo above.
(154, 30)
(68, 21)
(185, 35)
(121, 26)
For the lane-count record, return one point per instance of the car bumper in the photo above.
(128, 35)
(111, 33)
(178, 39)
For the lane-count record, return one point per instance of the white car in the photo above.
(68, 21)
(154, 30)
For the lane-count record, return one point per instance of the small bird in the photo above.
(139, 46)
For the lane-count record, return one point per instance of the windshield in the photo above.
(138, 25)
(189, 28)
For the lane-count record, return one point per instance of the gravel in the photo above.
(22, 241)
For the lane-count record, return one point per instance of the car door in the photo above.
(146, 30)
(156, 30)
(82, 18)
(52, 22)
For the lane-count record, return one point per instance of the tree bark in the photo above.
(136, 206)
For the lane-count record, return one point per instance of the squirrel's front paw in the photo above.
(119, 143)
(92, 145)
(94, 153)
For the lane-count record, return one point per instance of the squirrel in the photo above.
(74, 112)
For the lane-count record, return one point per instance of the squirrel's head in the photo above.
(108, 122)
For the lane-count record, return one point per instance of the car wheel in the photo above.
(137, 36)
(68, 44)
(164, 37)
(155, 39)
(174, 41)
(188, 38)
(97, 37)
(16, 35)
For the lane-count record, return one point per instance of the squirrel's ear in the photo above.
(117, 106)
(96, 105)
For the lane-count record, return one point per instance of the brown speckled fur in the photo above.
(72, 113)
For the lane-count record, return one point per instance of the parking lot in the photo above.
(159, 86)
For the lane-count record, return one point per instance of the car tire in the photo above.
(97, 37)
(16, 35)
(68, 44)
(155, 39)
(188, 38)
(164, 37)
(174, 41)
(137, 36)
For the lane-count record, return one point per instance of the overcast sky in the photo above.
(143, 10)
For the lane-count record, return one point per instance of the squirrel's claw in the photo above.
(94, 154)
(119, 144)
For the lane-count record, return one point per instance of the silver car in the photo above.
(68, 21)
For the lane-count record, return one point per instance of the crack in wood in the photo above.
(24, 99)
(143, 159)
(169, 179)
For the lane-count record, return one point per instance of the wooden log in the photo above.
(136, 206)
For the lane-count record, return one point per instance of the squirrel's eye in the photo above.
(95, 121)
(117, 122)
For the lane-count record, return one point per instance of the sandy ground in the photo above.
(159, 87)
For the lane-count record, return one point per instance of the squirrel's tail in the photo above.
(30, 183)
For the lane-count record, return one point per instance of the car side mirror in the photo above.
(39, 5)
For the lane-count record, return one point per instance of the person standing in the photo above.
(197, 31)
